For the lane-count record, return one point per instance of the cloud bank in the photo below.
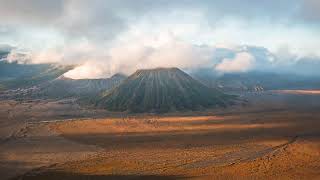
(106, 37)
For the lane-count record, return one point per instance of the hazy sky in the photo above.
(109, 36)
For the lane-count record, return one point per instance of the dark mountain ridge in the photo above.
(256, 81)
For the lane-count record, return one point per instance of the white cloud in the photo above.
(128, 57)
(242, 62)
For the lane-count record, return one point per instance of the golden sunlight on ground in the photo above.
(273, 146)
(307, 92)
(274, 136)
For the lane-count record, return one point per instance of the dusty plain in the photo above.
(271, 135)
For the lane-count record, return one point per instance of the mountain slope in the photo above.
(66, 87)
(161, 90)
(14, 75)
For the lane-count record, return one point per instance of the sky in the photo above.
(104, 37)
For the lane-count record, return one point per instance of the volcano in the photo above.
(66, 87)
(63, 87)
(161, 90)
